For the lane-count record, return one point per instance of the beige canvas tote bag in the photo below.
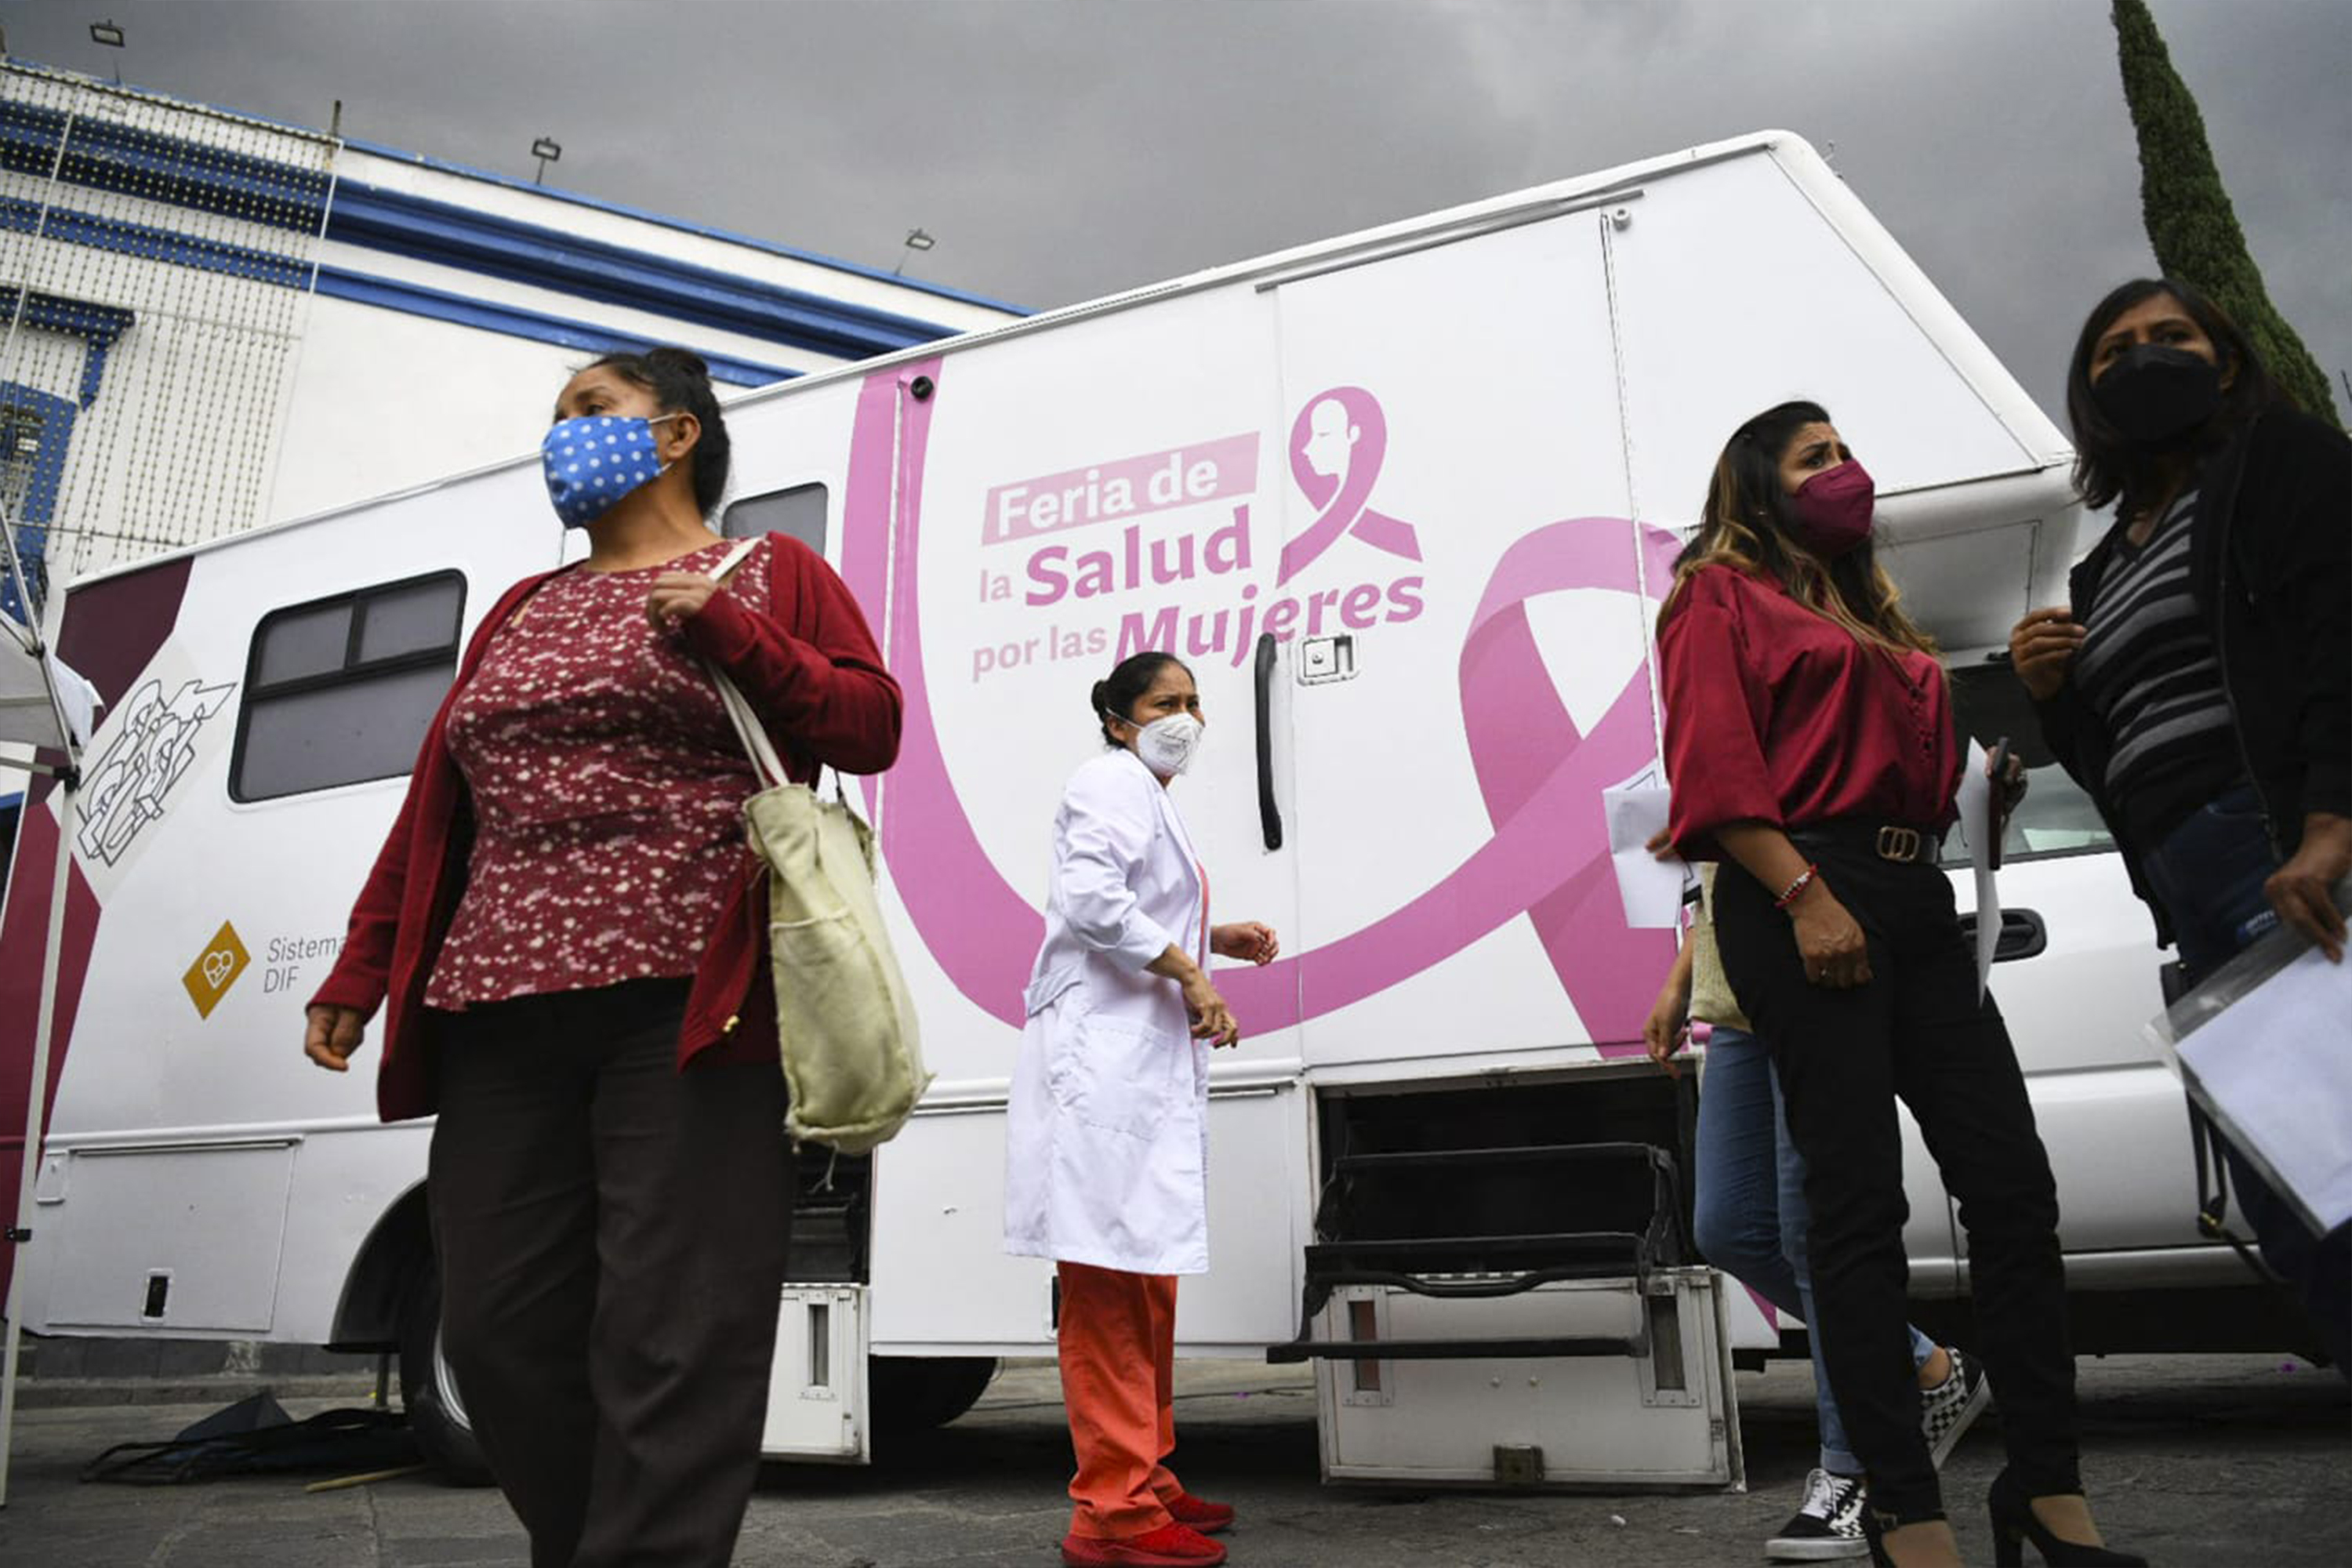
(852, 1058)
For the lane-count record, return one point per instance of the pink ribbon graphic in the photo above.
(1541, 778)
(1337, 444)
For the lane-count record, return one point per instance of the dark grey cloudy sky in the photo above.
(1063, 149)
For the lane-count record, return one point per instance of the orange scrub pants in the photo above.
(1119, 1361)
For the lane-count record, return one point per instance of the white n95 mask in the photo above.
(1168, 745)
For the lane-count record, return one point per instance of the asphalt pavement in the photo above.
(2211, 1460)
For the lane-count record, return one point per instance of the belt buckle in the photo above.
(1898, 843)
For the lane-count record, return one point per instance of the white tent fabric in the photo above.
(38, 711)
(43, 704)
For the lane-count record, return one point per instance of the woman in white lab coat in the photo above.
(1106, 1168)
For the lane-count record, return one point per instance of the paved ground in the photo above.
(2208, 1461)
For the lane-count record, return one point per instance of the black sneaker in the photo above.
(1829, 1525)
(1949, 1410)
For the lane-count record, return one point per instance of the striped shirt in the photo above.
(2148, 667)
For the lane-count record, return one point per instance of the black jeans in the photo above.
(612, 1234)
(2210, 873)
(1917, 1031)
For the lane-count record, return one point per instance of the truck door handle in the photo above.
(1269, 814)
(2022, 934)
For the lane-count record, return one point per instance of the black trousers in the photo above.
(1919, 1032)
(611, 1236)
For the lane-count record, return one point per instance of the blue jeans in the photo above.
(1751, 1206)
(2210, 873)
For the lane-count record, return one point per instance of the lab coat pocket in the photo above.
(1124, 1076)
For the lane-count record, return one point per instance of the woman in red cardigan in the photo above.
(570, 932)
(1809, 734)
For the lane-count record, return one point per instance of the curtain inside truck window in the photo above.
(341, 691)
(799, 511)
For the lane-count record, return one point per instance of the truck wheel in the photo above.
(428, 1389)
(915, 1394)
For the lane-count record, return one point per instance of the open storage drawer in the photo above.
(1666, 1418)
(1501, 1288)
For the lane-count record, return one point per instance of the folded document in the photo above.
(2266, 1048)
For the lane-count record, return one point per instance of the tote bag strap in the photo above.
(766, 765)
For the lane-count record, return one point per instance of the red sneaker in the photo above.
(1169, 1546)
(1199, 1513)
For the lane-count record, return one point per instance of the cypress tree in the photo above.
(2190, 224)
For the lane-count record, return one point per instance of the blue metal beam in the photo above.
(108, 155)
(411, 299)
(472, 241)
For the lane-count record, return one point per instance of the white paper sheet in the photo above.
(2275, 1070)
(1975, 806)
(1652, 889)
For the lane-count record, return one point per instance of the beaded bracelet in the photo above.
(1796, 890)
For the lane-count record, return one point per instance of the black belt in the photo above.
(1894, 841)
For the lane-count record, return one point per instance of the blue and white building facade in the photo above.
(213, 322)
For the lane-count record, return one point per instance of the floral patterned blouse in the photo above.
(608, 790)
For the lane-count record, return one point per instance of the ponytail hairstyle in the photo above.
(1116, 695)
(680, 384)
(1749, 524)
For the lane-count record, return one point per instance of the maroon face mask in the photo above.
(1834, 508)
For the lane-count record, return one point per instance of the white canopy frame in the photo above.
(43, 719)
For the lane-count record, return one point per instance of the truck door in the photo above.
(1462, 640)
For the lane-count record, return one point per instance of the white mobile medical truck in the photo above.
(1406, 502)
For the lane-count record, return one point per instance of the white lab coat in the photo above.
(1107, 1134)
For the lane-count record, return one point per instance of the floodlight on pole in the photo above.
(107, 34)
(916, 241)
(547, 150)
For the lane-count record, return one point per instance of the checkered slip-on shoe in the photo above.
(1829, 1525)
(1947, 1410)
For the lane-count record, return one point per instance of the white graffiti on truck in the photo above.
(155, 745)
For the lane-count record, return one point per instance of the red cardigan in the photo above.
(810, 667)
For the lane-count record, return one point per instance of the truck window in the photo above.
(341, 691)
(2056, 817)
(799, 511)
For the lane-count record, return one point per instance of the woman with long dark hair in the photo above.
(563, 922)
(1808, 736)
(2198, 682)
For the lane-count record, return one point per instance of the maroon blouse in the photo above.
(811, 670)
(1776, 714)
(608, 793)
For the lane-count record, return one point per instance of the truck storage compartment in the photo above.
(1667, 1418)
(817, 1384)
(1501, 1286)
(1467, 1224)
(1463, 1193)
(831, 1216)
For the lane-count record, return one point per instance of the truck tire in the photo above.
(428, 1389)
(912, 1395)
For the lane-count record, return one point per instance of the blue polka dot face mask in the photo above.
(593, 461)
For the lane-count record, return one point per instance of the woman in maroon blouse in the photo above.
(1810, 742)
(569, 930)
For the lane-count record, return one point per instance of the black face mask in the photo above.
(2155, 395)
